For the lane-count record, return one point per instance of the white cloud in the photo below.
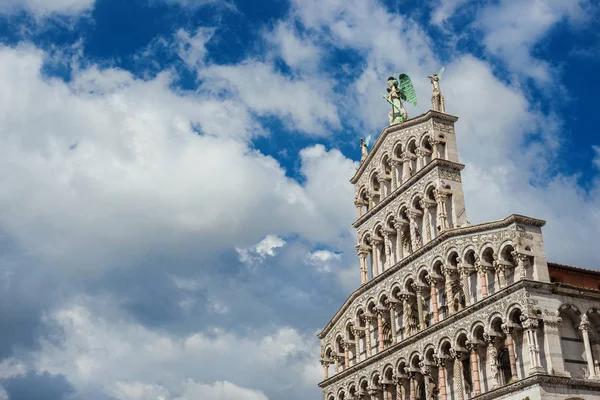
(219, 391)
(322, 260)
(106, 140)
(42, 8)
(257, 253)
(191, 48)
(304, 105)
(127, 360)
(512, 28)
(299, 52)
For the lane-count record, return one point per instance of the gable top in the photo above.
(394, 128)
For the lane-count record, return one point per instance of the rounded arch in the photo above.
(397, 149)
(566, 307)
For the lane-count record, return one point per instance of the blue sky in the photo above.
(175, 209)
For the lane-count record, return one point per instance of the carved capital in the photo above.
(585, 323)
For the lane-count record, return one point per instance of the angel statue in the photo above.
(398, 90)
(364, 147)
(437, 98)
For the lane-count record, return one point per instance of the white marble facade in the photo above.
(446, 309)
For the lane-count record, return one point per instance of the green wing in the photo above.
(368, 140)
(407, 91)
(439, 74)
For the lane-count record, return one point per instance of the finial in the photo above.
(437, 98)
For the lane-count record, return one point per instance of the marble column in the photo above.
(368, 336)
(426, 221)
(325, 365)
(388, 251)
(583, 327)
(405, 315)
(434, 146)
(434, 301)
(442, 216)
(482, 272)
(346, 355)
(405, 169)
(393, 318)
(492, 359)
(413, 386)
(531, 325)
(399, 381)
(375, 257)
(418, 291)
(442, 380)
(415, 236)
(400, 226)
(464, 280)
(364, 274)
(500, 273)
(380, 331)
(458, 376)
(474, 358)
(394, 165)
(447, 271)
(522, 261)
(510, 344)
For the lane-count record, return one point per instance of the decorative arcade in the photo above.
(448, 310)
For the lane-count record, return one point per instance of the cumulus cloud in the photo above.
(257, 253)
(128, 359)
(322, 260)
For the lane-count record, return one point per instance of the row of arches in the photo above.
(418, 300)
(394, 168)
(492, 353)
(401, 233)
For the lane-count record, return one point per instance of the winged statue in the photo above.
(364, 146)
(399, 90)
(437, 98)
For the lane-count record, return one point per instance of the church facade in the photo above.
(448, 310)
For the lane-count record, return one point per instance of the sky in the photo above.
(175, 205)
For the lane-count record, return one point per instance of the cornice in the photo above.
(397, 127)
(438, 162)
(540, 379)
(431, 329)
(448, 234)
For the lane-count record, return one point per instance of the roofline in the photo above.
(503, 223)
(394, 128)
(572, 268)
(438, 162)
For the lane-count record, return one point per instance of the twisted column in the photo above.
(401, 393)
(393, 317)
(426, 220)
(418, 290)
(400, 226)
(406, 315)
(458, 376)
(393, 165)
(368, 336)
